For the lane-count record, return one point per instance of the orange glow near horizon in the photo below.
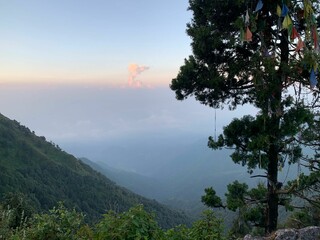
(150, 78)
(110, 81)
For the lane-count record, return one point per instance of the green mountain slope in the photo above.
(46, 174)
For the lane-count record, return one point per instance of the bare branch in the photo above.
(255, 176)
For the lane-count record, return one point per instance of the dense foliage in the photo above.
(61, 223)
(264, 53)
(45, 174)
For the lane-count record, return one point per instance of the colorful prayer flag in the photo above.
(247, 18)
(248, 35)
(299, 45)
(313, 78)
(284, 11)
(294, 33)
(287, 22)
(315, 37)
(259, 6)
(242, 34)
(279, 11)
(307, 8)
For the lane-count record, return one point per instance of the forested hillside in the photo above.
(46, 175)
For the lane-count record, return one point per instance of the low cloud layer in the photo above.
(71, 114)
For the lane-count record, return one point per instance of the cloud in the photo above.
(135, 70)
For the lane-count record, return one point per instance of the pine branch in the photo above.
(309, 200)
(287, 191)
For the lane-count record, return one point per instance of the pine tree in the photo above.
(264, 53)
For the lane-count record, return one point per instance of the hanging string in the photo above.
(298, 171)
(215, 125)
(288, 170)
(260, 162)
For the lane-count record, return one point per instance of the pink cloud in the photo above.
(134, 70)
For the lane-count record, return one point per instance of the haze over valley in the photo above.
(147, 140)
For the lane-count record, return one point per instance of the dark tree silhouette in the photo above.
(264, 53)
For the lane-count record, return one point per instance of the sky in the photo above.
(96, 41)
(96, 70)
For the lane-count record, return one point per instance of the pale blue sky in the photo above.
(92, 40)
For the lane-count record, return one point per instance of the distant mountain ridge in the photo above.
(176, 170)
(142, 185)
(46, 174)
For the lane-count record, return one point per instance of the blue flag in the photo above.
(284, 11)
(313, 78)
(259, 6)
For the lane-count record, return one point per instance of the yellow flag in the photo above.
(308, 10)
(287, 22)
(278, 10)
(315, 66)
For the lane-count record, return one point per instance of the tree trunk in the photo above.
(273, 156)
(272, 198)
(274, 148)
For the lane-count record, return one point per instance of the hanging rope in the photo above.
(298, 171)
(215, 125)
